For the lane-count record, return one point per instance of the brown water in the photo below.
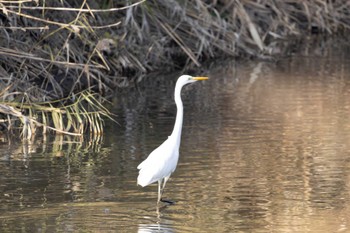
(265, 148)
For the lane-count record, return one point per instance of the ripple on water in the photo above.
(265, 148)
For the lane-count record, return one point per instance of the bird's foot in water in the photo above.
(168, 201)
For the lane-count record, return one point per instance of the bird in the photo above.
(162, 161)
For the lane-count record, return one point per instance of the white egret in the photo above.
(161, 163)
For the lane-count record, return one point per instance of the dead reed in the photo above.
(64, 116)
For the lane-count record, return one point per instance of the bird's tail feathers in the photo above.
(144, 179)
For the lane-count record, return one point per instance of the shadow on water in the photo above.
(265, 148)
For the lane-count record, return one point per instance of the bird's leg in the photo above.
(165, 180)
(159, 190)
(162, 200)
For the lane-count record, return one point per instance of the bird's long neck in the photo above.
(179, 114)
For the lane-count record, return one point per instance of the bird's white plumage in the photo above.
(161, 163)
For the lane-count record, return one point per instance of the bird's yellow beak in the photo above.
(200, 78)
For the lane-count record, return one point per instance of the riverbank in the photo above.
(62, 48)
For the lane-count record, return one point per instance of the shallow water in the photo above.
(265, 148)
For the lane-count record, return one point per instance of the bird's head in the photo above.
(186, 79)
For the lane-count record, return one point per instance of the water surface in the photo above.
(265, 148)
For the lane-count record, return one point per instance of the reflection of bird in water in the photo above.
(161, 163)
(155, 228)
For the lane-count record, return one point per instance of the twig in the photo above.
(58, 23)
(75, 9)
(32, 57)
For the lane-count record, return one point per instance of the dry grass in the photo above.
(51, 50)
(65, 116)
(64, 47)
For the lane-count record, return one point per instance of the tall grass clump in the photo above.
(64, 116)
